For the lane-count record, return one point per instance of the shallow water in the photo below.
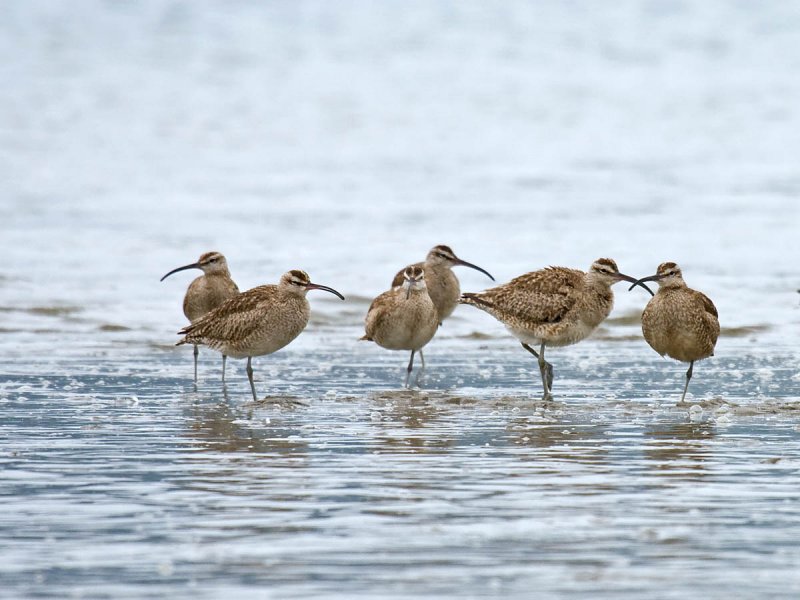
(347, 141)
(123, 481)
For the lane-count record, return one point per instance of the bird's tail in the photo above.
(185, 332)
(474, 300)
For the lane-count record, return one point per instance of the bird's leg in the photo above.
(250, 377)
(421, 369)
(688, 377)
(224, 358)
(410, 367)
(531, 350)
(196, 352)
(547, 374)
(546, 370)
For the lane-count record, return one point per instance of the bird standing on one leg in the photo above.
(257, 322)
(442, 283)
(207, 292)
(679, 321)
(404, 318)
(555, 306)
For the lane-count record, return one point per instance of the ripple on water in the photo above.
(329, 494)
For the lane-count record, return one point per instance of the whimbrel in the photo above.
(555, 306)
(257, 322)
(404, 318)
(442, 283)
(679, 321)
(207, 292)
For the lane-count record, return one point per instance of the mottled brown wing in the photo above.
(544, 296)
(708, 304)
(398, 279)
(375, 315)
(235, 319)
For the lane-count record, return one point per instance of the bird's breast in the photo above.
(444, 291)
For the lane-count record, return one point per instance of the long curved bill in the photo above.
(315, 286)
(640, 283)
(183, 268)
(464, 263)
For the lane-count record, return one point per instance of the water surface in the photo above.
(347, 140)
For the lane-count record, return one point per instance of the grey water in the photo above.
(346, 139)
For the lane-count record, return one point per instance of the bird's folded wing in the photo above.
(378, 311)
(544, 296)
(708, 304)
(534, 308)
(235, 319)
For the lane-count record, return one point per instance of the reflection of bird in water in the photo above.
(553, 442)
(403, 318)
(442, 283)
(257, 322)
(680, 450)
(679, 321)
(218, 427)
(555, 306)
(405, 422)
(207, 292)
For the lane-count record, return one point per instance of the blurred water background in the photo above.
(346, 139)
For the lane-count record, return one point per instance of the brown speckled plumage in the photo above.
(442, 284)
(678, 321)
(259, 321)
(555, 306)
(403, 318)
(207, 292)
(256, 322)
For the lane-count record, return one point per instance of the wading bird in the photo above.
(442, 283)
(555, 306)
(207, 292)
(404, 318)
(257, 322)
(679, 321)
